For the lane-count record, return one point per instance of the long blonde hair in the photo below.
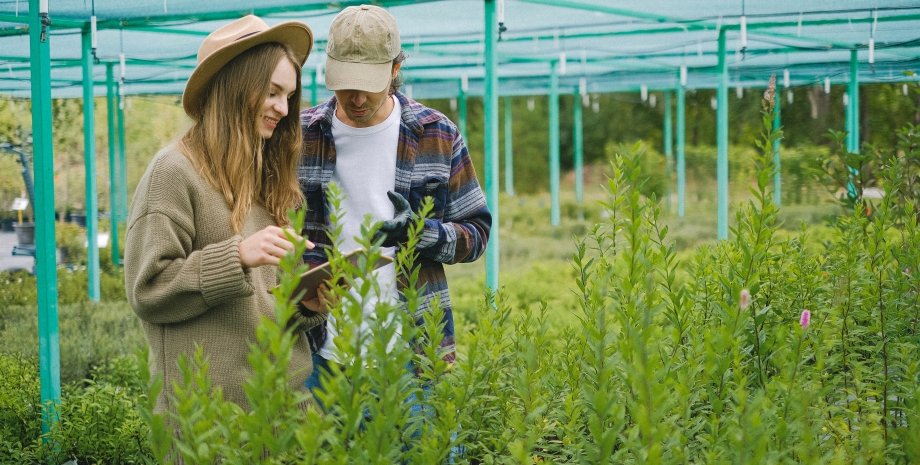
(225, 146)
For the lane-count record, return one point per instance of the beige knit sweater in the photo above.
(184, 278)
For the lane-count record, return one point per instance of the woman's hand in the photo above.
(267, 246)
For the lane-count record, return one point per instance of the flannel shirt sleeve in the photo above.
(463, 232)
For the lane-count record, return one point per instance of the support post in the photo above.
(314, 87)
(853, 105)
(578, 135)
(122, 170)
(490, 135)
(554, 142)
(89, 161)
(681, 150)
(461, 110)
(722, 141)
(49, 351)
(113, 163)
(852, 120)
(777, 171)
(668, 143)
(509, 148)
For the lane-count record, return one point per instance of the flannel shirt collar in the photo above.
(414, 115)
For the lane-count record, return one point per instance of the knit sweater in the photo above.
(184, 278)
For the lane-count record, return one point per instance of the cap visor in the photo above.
(367, 77)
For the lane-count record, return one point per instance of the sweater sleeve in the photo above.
(168, 279)
(167, 285)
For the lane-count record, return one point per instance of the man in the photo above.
(387, 153)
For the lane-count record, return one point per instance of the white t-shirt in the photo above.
(365, 169)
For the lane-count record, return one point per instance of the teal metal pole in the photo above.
(852, 120)
(668, 148)
(681, 150)
(578, 130)
(49, 350)
(554, 142)
(853, 104)
(89, 161)
(314, 91)
(777, 172)
(509, 149)
(722, 140)
(122, 171)
(848, 113)
(490, 135)
(461, 109)
(113, 168)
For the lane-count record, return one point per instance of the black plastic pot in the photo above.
(25, 233)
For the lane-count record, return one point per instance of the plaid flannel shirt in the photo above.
(431, 160)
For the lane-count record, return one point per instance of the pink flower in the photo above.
(805, 319)
(744, 300)
(769, 95)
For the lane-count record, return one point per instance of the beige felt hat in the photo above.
(228, 42)
(363, 41)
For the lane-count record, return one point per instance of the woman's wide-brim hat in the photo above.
(228, 42)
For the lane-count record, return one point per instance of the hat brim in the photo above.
(294, 34)
(367, 77)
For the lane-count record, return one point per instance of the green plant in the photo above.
(20, 417)
(16, 288)
(96, 423)
(91, 336)
(71, 240)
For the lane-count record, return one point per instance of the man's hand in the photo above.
(396, 231)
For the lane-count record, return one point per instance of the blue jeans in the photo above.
(416, 408)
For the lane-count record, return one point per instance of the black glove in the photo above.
(396, 231)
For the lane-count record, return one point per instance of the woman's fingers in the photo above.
(268, 246)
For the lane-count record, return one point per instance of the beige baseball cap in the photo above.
(363, 41)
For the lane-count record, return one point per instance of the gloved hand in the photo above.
(396, 231)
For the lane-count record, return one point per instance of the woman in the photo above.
(205, 233)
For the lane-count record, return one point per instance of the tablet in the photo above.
(312, 278)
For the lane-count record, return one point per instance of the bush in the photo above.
(20, 415)
(71, 240)
(655, 178)
(20, 287)
(16, 288)
(97, 423)
(699, 358)
(653, 355)
(91, 335)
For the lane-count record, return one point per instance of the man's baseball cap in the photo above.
(363, 41)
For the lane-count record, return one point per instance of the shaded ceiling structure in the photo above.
(457, 49)
(596, 45)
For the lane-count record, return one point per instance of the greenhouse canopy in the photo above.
(593, 45)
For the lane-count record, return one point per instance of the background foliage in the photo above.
(619, 337)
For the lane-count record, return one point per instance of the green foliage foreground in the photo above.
(698, 360)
